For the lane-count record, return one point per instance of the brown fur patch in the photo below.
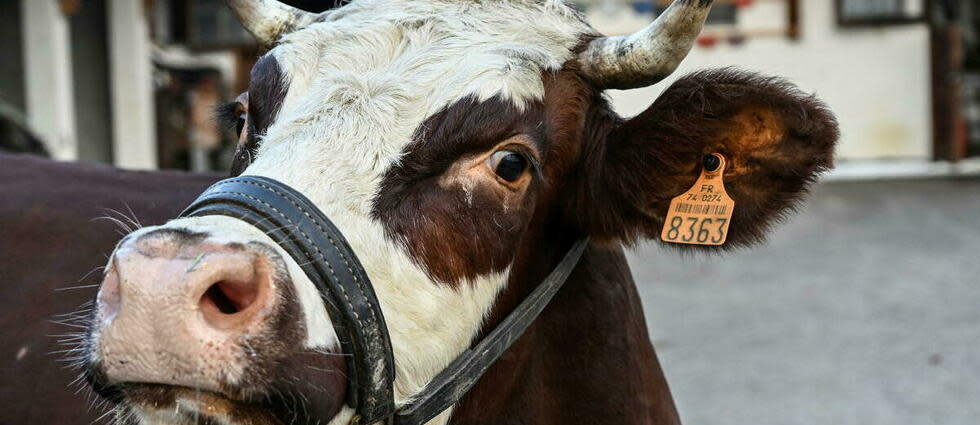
(457, 234)
(759, 130)
(586, 360)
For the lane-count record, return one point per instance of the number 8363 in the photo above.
(696, 229)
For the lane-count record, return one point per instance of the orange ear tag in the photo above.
(701, 215)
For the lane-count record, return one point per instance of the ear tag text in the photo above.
(701, 215)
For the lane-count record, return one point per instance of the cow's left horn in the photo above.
(649, 55)
(267, 20)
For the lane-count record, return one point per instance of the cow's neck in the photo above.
(586, 359)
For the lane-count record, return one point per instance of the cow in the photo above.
(460, 147)
(58, 221)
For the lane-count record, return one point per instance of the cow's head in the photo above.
(459, 146)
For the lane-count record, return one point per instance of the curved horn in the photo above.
(267, 20)
(649, 55)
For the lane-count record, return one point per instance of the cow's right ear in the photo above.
(776, 139)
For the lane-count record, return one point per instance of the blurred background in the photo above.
(864, 309)
(132, 82)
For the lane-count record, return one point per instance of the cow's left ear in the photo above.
(776, 138)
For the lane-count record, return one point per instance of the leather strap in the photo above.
(315, 243)
(456, 379)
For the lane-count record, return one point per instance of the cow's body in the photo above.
(52, 251)
(460, 147)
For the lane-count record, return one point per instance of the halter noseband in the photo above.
(321, 250)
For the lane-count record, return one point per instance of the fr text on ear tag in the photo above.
(701, 215)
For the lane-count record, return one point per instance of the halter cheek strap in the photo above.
(321, 250)
(312, 240)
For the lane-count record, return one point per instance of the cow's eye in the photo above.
(240, 123)
(509, 165)
(234, 114)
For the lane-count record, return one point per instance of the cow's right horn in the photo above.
(649, 55)
(267, 20)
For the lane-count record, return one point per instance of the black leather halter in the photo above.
(312, 240)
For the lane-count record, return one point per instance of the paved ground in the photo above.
(863, 309)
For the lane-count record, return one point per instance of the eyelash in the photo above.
(228, 114)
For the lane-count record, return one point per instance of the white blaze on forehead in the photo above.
(436, 51)
(361, 82)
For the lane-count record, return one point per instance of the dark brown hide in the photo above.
(49, 241)
(586, 360)
(456, 235)
(777, 140)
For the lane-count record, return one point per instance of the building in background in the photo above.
(124, 82)
(131, 82)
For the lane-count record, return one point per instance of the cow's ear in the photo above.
(776, 139)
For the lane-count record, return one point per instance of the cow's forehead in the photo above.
(361, 82)
(435, 52)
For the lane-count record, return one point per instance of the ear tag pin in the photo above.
(701, 215)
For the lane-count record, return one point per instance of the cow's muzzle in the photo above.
(178, 309)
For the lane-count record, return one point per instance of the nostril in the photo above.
(228, 297)
(237, 297)
(223, 300)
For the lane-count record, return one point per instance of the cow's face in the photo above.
(457, 146)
